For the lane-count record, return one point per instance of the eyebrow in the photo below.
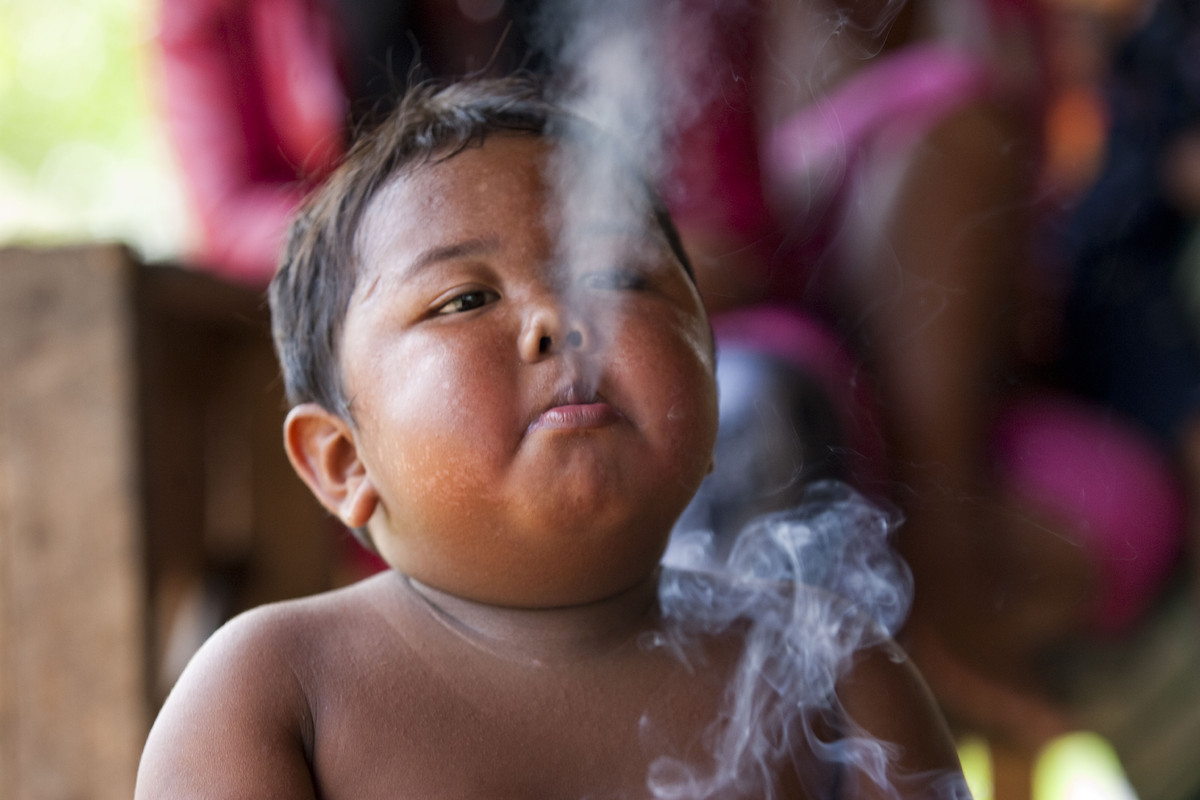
(465, 248)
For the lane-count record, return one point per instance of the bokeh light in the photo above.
(83, 156)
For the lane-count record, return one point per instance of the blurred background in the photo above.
(84, 154)
(143, 493)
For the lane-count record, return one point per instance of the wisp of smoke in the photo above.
(808, 588)
(643, 71)
(622, 66)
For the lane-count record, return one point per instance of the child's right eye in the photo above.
(467, 301)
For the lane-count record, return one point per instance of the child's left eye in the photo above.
(467, 301)
(615, 279)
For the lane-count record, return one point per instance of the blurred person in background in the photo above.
(261, 97)
(865, 184)
(1132, 336)
(1131, 343)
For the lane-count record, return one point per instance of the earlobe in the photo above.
(323, 451)
(358, 505)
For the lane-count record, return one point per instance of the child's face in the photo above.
(530, 435)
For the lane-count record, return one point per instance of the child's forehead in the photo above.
(457, 187)
(492, 191)
(559, 172)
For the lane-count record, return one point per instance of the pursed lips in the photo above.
(574, 408)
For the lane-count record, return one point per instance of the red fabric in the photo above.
(255, 105)
(715, 179)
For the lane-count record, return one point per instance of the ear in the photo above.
(322, 449)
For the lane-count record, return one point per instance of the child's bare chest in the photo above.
(547, 734)
(473, 729)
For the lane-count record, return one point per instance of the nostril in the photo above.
(574, 339)
(544, 344)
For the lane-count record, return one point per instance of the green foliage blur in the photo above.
(82, 153)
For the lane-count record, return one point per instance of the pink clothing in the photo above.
(1113, 491)
(254, 101)
(873, 118)
(892, 101)
(1105, 481)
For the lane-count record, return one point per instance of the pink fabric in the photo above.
(719, 185)
(903, 95)
(254, 104)
(1108, 484)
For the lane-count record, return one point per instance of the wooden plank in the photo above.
(229, 524)
(144, 497)
(73, 699)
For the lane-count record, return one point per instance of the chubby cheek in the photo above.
(434, 432)
(673, 372)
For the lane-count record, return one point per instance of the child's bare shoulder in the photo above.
(299, 634)
(243, 710)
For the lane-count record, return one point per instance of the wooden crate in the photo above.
(143, 494)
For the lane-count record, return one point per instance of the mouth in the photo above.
(574, 408)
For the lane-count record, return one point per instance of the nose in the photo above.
(552, 328)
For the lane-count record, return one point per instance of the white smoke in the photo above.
(644, 71)
(638, 69)
(634, 69)
(810, 588)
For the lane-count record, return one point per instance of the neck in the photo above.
(544, 636)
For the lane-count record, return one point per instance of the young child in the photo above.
(516, 439)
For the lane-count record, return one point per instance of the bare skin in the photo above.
(379, 691)
(505, 655)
